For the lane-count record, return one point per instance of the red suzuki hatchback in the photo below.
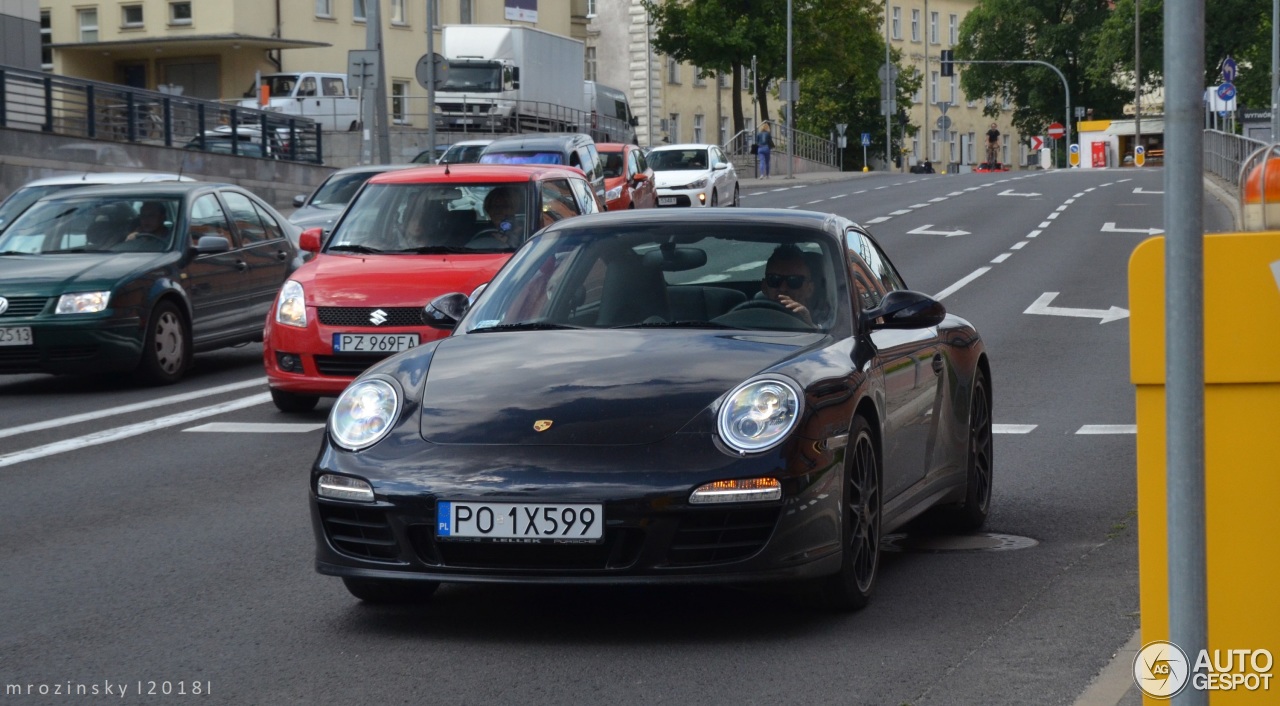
(407, 237)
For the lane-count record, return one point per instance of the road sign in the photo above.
(890, 70)
(1037, 142)
(1229, 70)
(1139, 155)
(944, 122)
(420, 72)
(1056, 130)
(1079, 111)
(866, 139)
(841, 127)
(1073, 155)
(362, 69)
(1226, 91)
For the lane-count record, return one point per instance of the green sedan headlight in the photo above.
(291, 305)
(759, 414)
(364, 413)
(83, 302)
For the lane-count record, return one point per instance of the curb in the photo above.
(1114, 684)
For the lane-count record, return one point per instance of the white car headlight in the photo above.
(759, 414)
(291, 305)
(614, 193)
(701, 183)
(83, 303)
(364, 413)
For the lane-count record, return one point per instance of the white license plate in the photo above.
(520, 522)
(465, 121)
(17, 336)
(373, 342)
(666, 200)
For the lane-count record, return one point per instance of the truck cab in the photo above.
(323, 97)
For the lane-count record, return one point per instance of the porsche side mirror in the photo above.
(310, 239)
(446, 310)
(905, 309)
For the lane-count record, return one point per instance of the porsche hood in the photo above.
(587, 387)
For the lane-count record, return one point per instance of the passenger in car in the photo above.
(789, 281)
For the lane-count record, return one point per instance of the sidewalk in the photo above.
(748, 183)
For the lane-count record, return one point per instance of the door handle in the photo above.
(937, 363)
(282, 255)
(242, 265)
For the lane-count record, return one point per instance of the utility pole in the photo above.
(1137, 81)
(791, 106)
(431, 79)
(376, 110)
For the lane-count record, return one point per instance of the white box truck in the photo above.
(501, 78)
(324, 98)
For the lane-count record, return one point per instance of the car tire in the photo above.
(715, 198)
(390, 591)
(850, 588)
(972, 514)
(291, 402)
(736, 197)
(166, 346)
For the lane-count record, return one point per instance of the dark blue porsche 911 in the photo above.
(654, 397)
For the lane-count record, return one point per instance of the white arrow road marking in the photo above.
(263, 428)
(108, 435)
(1110, 227)
(1108, 429)
(1010, 192)
(1041, 306)
(1141, 190)
(924, 230)
(1275, 272)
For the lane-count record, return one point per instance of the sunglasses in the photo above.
(793, 281)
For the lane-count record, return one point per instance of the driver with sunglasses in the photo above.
(789, 281)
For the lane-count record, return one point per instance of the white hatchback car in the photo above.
(693, 175)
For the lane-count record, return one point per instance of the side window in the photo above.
(642, 162)
(866, 282)
(332, 87)
(274, 230)
(597, 165)
(585, 195)
(208, 218)
(558, 202)
(880, 266)
(245, 216)
(633, 163)
(307, 87)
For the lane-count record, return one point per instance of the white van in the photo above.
(609, 112)
(324, 98)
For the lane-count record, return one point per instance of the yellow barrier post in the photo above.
(1242, 469)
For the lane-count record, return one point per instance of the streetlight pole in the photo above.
(889, 95)
(791, 106)
(1137, 81)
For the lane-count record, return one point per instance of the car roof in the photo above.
(369, 169)
(684, 146)
(468, 143)
(614, 146)
(424, 173)
(541, 141)
(752, 217)
(153, 189)
(96, 178)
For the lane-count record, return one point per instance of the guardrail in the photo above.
(33, 100)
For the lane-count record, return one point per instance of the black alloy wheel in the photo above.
(850, 588)
(972, 515)
(389, 591)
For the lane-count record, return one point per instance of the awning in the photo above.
(1150, 126)
(184, 44)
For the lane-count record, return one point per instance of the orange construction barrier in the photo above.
(1260, 190)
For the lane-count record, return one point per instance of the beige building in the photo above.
(921, 29)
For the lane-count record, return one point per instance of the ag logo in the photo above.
(542, 425)
(1160, 669)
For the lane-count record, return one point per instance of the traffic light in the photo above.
(902, 117)
(948, 68)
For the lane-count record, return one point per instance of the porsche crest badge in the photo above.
(542, 425)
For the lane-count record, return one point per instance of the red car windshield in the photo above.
(434, 218)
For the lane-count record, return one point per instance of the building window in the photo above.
(399, 96)
(673, 128)
(591, 64)
(131, 16)
(435, 6)
(397, 12)
(933, 28)
(357, 11)
(698, 79)
(933, 86)
(591, 8)
(722, 79)
(724, 131)
(464, 12)
(324, 8)
(698, 128)
(88, 25)
(953, 29)
(673, 70)
(897, 23)
(952, 99)
(46, 39)
(915, 25)
(180, 13)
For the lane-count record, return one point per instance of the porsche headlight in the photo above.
(759, 414)
(364, 413)
(83, 302)
(701, 183)
(614, 193)
(291, 305)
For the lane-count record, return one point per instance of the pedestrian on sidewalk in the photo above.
(764, 145)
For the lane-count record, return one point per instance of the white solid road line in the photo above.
(1012, 428)
(107, 436)
(1108, 429)
(259, 428)
(956, 287)
(125, 409)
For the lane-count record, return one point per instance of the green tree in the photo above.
(1240, 29)
(1063, 33)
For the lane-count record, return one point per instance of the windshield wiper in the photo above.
(676, 324)
(355, 248)
(524, 326)
(17, 252)
(435, 250)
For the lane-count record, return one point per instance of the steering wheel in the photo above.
(764, 304)
(487, 233)
(149, 236)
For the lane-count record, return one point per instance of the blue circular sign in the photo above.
(1226, 91)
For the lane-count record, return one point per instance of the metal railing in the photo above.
(60, 105)
(807, 146)
(1225, 154)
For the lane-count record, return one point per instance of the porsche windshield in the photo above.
(655, 276)
(435, 218)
